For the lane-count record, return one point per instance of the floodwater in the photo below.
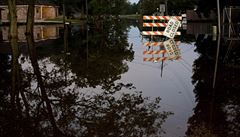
(107, 80)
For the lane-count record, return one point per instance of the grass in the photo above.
(132, 16)
(60, 20)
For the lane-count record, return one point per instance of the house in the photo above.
(193, 16)
(44, 9)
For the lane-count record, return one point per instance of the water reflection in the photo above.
(217, 111)
(84, 83)
(158, 50)
(41, 33)
(1, 35)
(51, 100)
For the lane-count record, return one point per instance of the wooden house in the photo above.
(44, 9)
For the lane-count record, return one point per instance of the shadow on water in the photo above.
(216, 80)
(50, 99)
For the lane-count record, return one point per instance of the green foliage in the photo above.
(99, 7)
(176, 7)
(148, 7)
(205, 6)
(113, 7)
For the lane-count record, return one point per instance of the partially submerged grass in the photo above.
(202, 131)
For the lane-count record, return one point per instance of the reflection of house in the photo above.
(1, 36)
(41, 32)
(199, 28)
(44, 9)
(1, 15)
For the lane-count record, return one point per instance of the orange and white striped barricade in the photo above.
(159, 59)
(161, 17)
(156, 52)
(155, 25)
(156, 33)
(155, 44)
(159, 25)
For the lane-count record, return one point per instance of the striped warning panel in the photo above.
(154, 24)
(157, 43)
(156, 33)
(161, 17)
(161, 59)
(154, 52)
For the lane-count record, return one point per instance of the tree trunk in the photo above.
(13, 20)
(15, 54)
(30, 17)
(33, 57)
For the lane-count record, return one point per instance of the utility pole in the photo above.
(86, 8)
(166, 1)
(64, 12)
(219, 17)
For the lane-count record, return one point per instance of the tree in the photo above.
(205, 6)
(30, 18)
(148, 7)
(14, 46)
(106, 7)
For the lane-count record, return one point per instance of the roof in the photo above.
(25, 2)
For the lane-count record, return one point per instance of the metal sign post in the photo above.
(162, 9)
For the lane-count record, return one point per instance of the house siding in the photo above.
(4, 13)
(193, 16)
(0, 15)
(38, 12)
(41, 12)
(49, 12)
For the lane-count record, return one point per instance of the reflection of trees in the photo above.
(79, 114)
(98, 60)
(88, 115)
(5, 67)
(218, 108)
(50, 102)
(107, 115)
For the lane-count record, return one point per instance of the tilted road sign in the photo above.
(172, 27)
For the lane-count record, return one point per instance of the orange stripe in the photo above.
(159, 43)
(162, 58)
(165, 18)
(155, 52)
(155, 43)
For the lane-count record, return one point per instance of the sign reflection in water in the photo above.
(156, 51)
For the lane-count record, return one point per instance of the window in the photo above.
(37, 9)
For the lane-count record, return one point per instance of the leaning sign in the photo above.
(172, 27)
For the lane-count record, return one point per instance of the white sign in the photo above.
(172, 27)
(162, 8)
(171, 48)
